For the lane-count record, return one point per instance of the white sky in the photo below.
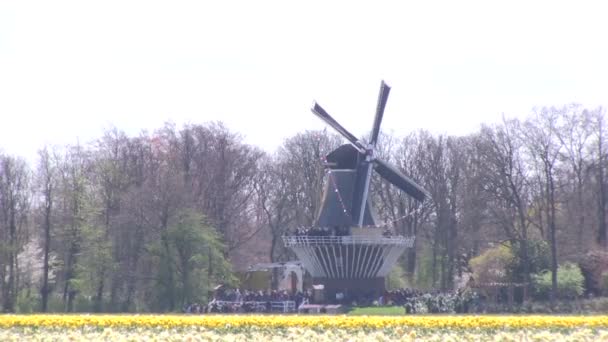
(68, 70)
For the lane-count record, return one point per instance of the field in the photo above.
(301, 328)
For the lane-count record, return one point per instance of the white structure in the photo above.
(348, 257)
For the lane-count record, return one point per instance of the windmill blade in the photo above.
(393, 176)
(323, 115)
(382, 98)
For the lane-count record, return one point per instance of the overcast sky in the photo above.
(69, 70)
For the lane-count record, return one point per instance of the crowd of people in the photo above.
(322, 231)
(414, 301)
(335, 231)
(237, 300)
(238, 295)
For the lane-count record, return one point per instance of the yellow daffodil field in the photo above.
(301, 328)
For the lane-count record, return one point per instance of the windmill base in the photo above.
(353, 289)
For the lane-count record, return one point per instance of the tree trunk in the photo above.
(47, 245)
(523, 239)
(186, 291)
(434, 264)
(602, 239)
(70, 303)
(581, 208)
(169, 280)
(273, 247)
(524, 252)
(450, 254)
(131, 278)
(552, 228)
(69, 275)
(210, 271)
(9, 299)
(98, 300)
(411, 252)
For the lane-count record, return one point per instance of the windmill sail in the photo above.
(360, 158)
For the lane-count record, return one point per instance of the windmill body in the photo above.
(346, 250)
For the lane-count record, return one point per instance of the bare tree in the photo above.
(474, 202)
(110, 177)
(303, 157)
(222, 171)
(73, 171)
(400, 211)
(599, 125)
(504, 179)
(574, 132)
(47, 179)
(134, 222)
(14, 206)
(274, 194)
(441, 172)
(545, 149)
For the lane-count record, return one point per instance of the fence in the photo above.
(347, 240)
(283, 306)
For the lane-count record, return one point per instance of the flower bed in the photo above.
(280, 328)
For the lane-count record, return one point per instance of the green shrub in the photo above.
(26, 303)
(593, 265)
(604, 283)
(492, 265)
(597, 305)
(83, 304)
(569, 282)
(396, 278)
(56, 304)
(538, 257)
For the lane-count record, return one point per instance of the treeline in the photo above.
(153, 222)
(126, 224)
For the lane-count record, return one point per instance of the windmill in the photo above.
(347, 252)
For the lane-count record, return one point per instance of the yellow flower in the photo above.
(307, 328)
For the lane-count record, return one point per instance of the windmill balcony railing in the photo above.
(295, 241)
